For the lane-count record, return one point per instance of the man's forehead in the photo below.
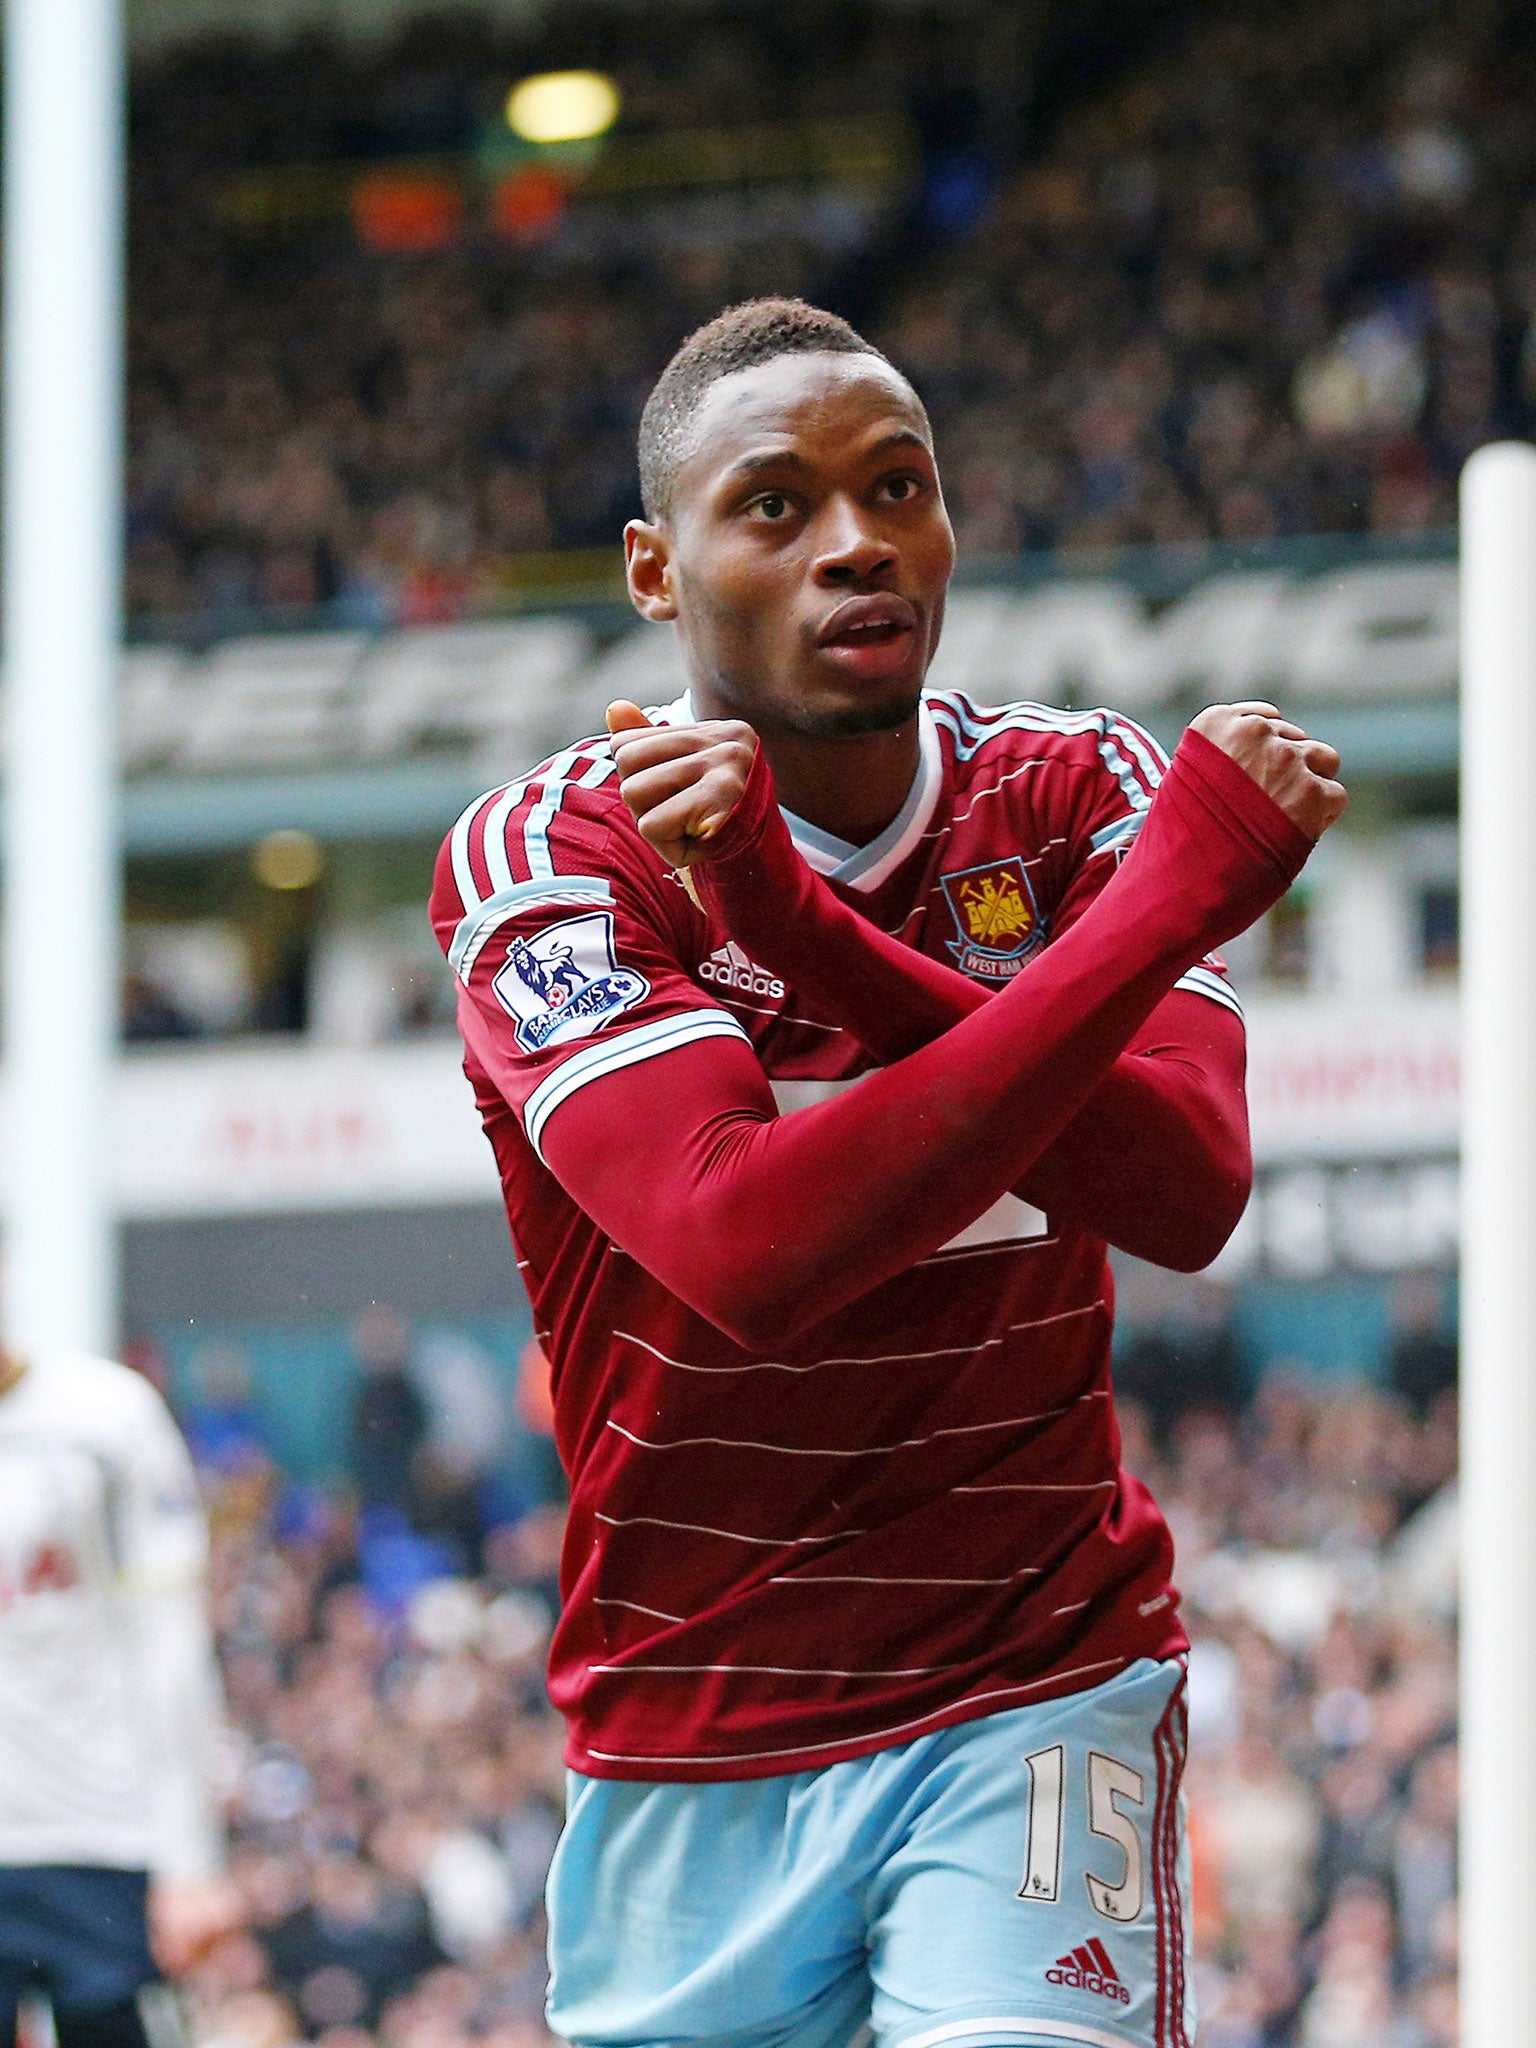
(807, 404)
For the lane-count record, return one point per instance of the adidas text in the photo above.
(730, 968)
(1089, 1969)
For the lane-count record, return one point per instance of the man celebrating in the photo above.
(890, 1014)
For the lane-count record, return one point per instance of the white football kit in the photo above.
(109, 1703)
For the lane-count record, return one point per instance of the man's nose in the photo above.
(850, 550)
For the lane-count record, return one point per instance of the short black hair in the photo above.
(738, 339)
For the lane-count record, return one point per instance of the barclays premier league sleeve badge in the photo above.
(564, 982)
(997, 919)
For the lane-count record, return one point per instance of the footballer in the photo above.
(826, 1030)
(111, 1844)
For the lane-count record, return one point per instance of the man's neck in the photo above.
(850, 785)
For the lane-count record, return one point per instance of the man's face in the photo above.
(807, 551)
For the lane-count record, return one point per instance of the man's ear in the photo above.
(648, 570)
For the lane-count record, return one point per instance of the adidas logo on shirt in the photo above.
(1089, 1969)
(730, 968)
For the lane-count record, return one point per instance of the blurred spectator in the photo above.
(539, 1476)
(1423, 1863)
(419, 1003)
(434, 1450)
(1322, 1710)
(389, 1413)
(395, 1791)
(1185, 1362)
(354, 1944)
(150, 1016)
(224, 1427)
(1422, 1361)
(185, 979)
(1351, 2004)
(466, 1403)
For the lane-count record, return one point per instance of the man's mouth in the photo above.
(870, 637)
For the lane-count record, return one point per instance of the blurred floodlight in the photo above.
(563, 106)
(288, 860)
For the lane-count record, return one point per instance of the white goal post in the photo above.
(63, 345)
(1498, 1246)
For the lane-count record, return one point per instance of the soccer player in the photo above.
(109, 1842)
(869, 1651)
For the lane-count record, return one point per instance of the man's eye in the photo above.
(772, 505)
(900, 488)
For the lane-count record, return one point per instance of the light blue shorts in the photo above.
(1020, 1879)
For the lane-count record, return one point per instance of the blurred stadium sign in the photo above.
(255, 1130)
(497, 694)
(1332, 1078)
(305, 699)
(1373, 632)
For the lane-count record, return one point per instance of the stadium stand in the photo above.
(1273, 276)
(1252, 289)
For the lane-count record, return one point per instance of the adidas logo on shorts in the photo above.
(1089, 1969)
(730, 968)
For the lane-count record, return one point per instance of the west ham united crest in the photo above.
(997, 918)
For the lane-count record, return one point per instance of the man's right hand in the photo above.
(681, 781)
(1298, 773)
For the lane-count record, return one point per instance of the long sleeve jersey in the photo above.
(831, 1389)
(109, 1704)
(1157, 1160)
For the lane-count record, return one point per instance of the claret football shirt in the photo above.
(913, 1513)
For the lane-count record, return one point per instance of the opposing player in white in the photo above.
(110, 1846)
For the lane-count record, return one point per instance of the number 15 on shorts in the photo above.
(1111, 1788)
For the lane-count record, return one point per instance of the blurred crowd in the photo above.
(394, 1781)
(314, 421)
(393, 1775)
(1266, 272)
(1316, 1555)
(1279, 279)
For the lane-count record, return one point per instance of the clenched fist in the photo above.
(681, 781)
(1298, 773)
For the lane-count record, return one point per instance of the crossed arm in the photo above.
(1156, 1160)
(683, 1163)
